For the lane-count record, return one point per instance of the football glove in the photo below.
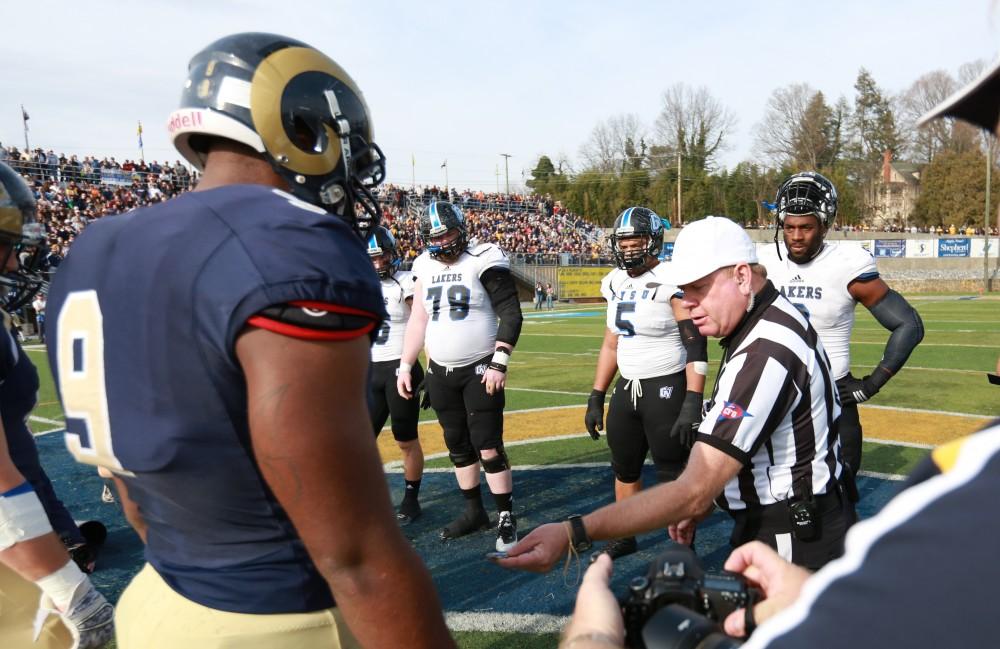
(594, 419)
(423, 394)
(688, 419)
(89, 619)
(853, 390)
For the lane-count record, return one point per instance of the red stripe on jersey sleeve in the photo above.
(308, 334)
(332, 308)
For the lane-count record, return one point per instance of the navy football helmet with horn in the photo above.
(297, 108)
(23, 240)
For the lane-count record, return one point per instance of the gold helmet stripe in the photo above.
(269, 82)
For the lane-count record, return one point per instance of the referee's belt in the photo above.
(776, 515)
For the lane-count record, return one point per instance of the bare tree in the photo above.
(693, 123)
(777, 134)
(614, 144)
(968, 72)
(799, 128)
(940, 134)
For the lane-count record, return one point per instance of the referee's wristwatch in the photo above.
(578, 534)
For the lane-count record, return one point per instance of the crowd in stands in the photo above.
(71, 192)
(532, 228)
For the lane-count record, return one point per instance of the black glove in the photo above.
(425, 400)
(594, 419)
(686, 425)
(853, 390)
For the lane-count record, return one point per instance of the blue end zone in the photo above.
(466, 581)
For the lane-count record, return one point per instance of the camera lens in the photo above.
(638, 584)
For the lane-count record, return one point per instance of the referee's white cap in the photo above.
(978, 102)
(707, 245)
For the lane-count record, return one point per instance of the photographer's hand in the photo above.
(597, 619)
(780, 581)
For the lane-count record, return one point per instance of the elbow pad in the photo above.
(694, 343)
(502, 291)
(895, 314)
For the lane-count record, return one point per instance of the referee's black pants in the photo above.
(772, 525)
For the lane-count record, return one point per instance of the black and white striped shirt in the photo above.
(774, 408)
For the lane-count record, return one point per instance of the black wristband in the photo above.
(499, 367)
(581, 542)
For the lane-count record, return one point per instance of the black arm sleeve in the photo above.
(895, 314)
(499, 285)
(694, 343)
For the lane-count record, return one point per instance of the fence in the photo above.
(85, 173)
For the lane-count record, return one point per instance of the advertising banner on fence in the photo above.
(890, 247)
(581, 282)
(116, 177)
(920, 247)
(981, 247)
(954, 247)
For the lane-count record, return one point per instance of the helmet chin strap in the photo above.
(343, 127)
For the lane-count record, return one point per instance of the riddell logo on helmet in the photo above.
(184, 120)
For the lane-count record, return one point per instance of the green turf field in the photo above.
(554, 363)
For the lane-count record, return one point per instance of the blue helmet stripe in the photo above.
(435, 219)
(627, 218)
(373, 243)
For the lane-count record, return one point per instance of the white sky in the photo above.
(466, 81)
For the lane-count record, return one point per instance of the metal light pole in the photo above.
(680, 219)
(506, 172)
(986, 218)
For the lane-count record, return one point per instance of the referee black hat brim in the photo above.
(977, 103)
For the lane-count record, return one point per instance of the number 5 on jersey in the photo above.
(81, 380)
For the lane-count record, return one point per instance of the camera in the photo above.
(679, 605)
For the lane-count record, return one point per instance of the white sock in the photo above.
(62, 584)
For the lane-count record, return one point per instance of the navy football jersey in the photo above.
(18, 395)
(144, 314)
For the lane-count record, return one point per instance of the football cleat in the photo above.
(470, 520)
(409, 511)
(506, 532)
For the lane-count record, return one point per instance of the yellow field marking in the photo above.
(897, 425)
(916, 427)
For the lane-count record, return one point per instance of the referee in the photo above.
(767, 450)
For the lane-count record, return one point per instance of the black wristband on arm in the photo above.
(694, 343)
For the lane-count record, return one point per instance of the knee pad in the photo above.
(497, 464)
(21, 516)
(626, 474)
(486, 428)
(463, 458)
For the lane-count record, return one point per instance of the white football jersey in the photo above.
(388, 345)
(461, 322)
(640, 313)
(819, 289)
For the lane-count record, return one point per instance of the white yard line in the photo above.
(486, 621)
